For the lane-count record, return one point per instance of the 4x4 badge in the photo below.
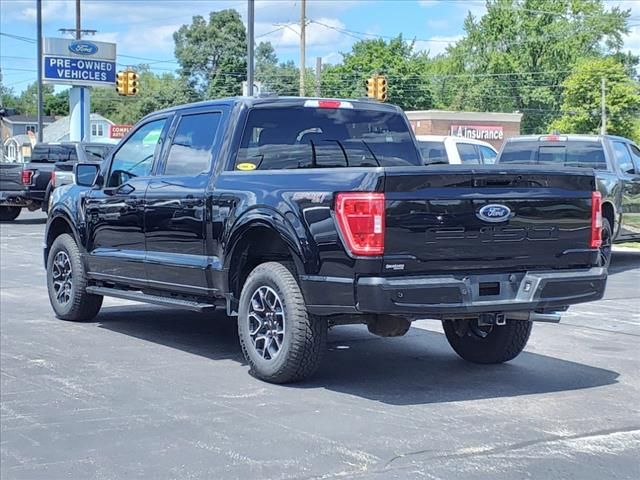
(494, 213)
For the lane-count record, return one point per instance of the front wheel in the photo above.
(280, 340)
(67, 281)
(487, 344)
(9, 214)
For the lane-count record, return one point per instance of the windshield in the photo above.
(303, 137)
(96, 153)
(586, 154)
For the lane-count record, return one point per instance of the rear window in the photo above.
(433, 152)
(53, 153)
(304, 137)
(565, 154)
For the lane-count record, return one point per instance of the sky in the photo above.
(143, 29)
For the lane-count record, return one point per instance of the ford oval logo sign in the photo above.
(495, 213)
(82, 47)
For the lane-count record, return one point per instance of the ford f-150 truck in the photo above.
(297, 214)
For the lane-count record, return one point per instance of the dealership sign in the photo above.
(79, 62)
(478, 132)
(119, 131)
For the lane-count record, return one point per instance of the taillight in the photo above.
(27, 176)
(596, 220)
(361, 220)
(53, 178)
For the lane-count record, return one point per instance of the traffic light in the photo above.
(381, 88)
(132, 83)
(371, 87)
(121, 83)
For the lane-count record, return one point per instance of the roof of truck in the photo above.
(564, 137)
(273, 100)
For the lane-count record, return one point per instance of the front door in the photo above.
(628, 169)
(115, 213)
(176, 210)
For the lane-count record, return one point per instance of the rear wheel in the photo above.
(280, 340)
(67, 281)
(9, 214)
(492, 344)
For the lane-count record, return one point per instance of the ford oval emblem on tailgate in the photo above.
(494, 213)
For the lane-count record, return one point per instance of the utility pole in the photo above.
(250, 41)
(318, 73)
(603, 107)
(303, 24)
(39, 55)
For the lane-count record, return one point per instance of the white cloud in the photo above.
(436, 44)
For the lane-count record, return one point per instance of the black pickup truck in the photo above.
(616, 162)
(297, 214)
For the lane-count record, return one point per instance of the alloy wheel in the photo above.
(62, 276)
(266, 322)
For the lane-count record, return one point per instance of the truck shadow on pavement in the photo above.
(624, 261)
(419, 368)
(26, 221)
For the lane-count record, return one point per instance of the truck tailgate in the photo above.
(11, 176)
(435, 220)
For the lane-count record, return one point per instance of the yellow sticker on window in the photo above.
(246, 166)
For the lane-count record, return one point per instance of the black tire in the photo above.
(9, 214)
(501, 343)
(607, 240)
(304, 336)
(76, 305)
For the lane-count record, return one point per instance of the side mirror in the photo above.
(86, 174)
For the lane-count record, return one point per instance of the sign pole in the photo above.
(39, 54)
(79, 100)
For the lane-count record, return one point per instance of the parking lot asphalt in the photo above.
(147, 392)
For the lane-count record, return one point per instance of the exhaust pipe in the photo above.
(535, 317)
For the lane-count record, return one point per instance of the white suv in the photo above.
(455, 150)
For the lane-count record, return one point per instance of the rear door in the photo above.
(443, 220)
(176, 206)
(114, 213)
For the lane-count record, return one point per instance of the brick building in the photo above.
(490, 127)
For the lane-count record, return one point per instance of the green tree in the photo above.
(581, 106)
(213, 55)
(155, 92)
(279, 78)
(404, 68)
(518, 54)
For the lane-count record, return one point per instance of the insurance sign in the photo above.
(79, 62)
(478, 132)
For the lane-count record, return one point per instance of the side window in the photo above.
(135, 156)
(635, 153)
(468, 153)
(623, 157)
(190, 151)
(488, 155)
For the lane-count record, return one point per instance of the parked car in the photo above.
(47, 157)
(90, 152)
(13, 194)
(615, 160)
(455, 150)
(299, 214)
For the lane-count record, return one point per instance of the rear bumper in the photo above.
(448, 296)
(14, 198)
